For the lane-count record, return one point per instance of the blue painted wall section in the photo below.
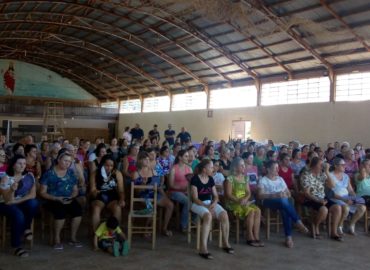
(27, 80)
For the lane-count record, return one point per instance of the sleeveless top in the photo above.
(180, 177)
(131, 164)
(238, 187)
(106, 184)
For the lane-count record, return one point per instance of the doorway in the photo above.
(241, 130)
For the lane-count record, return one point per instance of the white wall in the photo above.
(321, 122)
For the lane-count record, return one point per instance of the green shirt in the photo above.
(363, 187)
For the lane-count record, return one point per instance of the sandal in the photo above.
(167, 233)
(260, 243)
(252, 243)
(206, 256)
(20, 252)
(318, 236)
(58, 246)
(228, 250)
(337, 238)
(76, 244)
(289, 243)
(28, 235)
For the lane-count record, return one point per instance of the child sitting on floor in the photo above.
(110, 238)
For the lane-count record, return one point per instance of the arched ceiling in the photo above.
(120, 49)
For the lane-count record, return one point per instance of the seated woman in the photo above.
(32, 164)
(164, 160)
(313, 185)
(129, 161)
(106, 189)
(18, 202)
(3, 163)
(209, 153)
(286, 172)
(225, 161)
(362, 181)
(193, 160)
(219, 179)
(251, 171)
(297, 164)
(238, 201)
(59, 188)
(53, 153)
(275, 194)
(340, 192)
(351, 167)
(96, 157)
(178, 185)
(78, 171)
(205, 204)
(145, 175)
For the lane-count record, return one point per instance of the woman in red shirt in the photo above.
(286, 172)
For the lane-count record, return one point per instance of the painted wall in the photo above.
(27, 80)
(321, 122)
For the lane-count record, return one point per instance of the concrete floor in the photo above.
(175, 253)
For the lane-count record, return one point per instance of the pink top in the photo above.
(180, 177)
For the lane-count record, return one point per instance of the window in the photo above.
(233, 97)
(109, 105)
(190, 101)
(157, 104)
(297, 91)
(353, 87)
(130, 106)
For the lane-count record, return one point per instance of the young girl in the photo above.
(218, 177)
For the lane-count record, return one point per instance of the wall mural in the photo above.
(22, 79)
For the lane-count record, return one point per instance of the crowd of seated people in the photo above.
(240, 177)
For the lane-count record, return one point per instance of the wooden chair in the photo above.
(3, 232)
(135, 213)
(313, 214)
(272, 221)
(198, 223)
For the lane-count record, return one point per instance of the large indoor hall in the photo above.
(184, 134)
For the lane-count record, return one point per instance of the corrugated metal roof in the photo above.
(165, 45)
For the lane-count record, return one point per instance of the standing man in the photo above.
(184, 136)
(137, 133)
(154, 134)
(169, 134)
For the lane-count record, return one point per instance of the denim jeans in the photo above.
(20, 216)
(182, 199)
(287, 210)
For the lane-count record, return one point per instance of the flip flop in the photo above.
(252, 243)
(229, 250)
(28, 236)
(260, 243)
(20, 252)
(206, 256)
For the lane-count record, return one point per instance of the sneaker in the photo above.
(340, 230)
(125, 248)
(76, 244)
(58, 246)
(116, 247)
